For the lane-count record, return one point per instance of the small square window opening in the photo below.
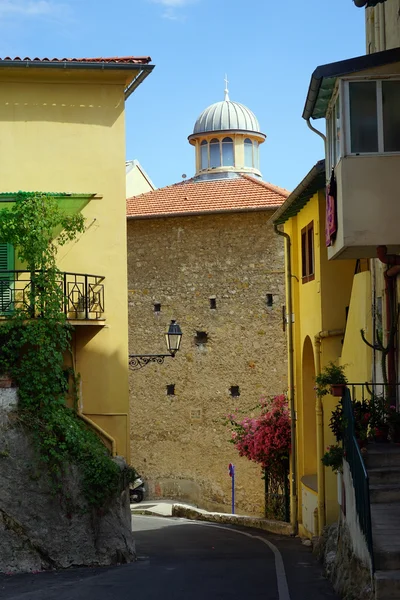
(157, 307)
(269, 299)
(234, 391)
(213, 303)
(201, 338)
(171, 389)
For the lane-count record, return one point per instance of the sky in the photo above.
(268, 50)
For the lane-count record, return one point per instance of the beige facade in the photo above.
(383, 26)
(187, 265)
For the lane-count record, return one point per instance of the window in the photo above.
(234, 391)
(256, 158)
(201, 338)
(204, 154)
(6, 278)
(227, 152)
(269, 299)
(248, 153)
(333, 126)
(213, 303)
(307, 253)
(215, 155)
(157, 307)
(374, 116)
(171, 389)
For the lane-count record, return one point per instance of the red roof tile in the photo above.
(243, 193)
(135, 60)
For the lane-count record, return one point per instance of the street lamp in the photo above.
(173, 339)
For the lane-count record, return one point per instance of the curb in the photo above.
(278, 527)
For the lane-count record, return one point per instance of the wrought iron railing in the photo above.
(81, 298)
(365, 391)
(358, 472)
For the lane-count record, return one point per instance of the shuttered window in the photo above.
(6, 278)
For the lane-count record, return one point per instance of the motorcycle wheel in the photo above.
(136, 496)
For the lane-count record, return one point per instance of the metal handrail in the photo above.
(359, 474)
(82, 294)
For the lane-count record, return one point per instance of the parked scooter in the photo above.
(137, 490)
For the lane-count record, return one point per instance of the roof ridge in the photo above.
(266, 184)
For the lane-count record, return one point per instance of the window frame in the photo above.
(307, 267)
(345, 92)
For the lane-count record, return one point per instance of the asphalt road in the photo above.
(185, 560)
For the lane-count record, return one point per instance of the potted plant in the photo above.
(331, 379)
(333, 458)
(379, 419)
(393, 420)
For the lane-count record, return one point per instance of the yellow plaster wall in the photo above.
(60, 136)
(356, 355)
(318, 305)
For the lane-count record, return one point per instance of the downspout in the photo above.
(319, 415)
(321, 135)
(291, 387)
(393, 262)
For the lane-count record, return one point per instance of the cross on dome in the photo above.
(226, 88)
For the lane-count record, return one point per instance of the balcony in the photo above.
(82, 303)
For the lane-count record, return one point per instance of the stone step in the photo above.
(384, 475)
(384, 492)
(385, 519)
(387, 585)
(382, 455)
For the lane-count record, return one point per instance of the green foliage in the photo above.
(333, 458)
(33, 350)
(330, 374)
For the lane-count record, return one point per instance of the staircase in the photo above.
(383, 466)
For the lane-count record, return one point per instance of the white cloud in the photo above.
(172, 7)
(30, 8)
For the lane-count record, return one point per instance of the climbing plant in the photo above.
(33, 342)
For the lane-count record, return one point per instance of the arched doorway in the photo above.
(309, 418)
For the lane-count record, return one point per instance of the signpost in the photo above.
(232, 475)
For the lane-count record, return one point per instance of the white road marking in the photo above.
(283, 588)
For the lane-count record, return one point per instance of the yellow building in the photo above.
(328, 303)
(62, 131)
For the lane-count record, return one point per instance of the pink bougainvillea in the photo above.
(264, 439)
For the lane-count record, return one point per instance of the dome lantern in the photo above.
(226, 136)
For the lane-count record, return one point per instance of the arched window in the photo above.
(248, 153)
(256, 157)
(215, 154)
(227, 152)
(204, 154)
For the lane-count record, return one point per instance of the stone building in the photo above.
(204, 252)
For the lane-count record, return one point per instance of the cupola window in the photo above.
(248, 152)
(256, 159)
(227, 152)
(204, 154)
(215, 155)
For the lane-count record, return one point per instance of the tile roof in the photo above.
(239, 194)
(126, 60)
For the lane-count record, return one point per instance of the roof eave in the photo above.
(312, 182)
(203, 212)
(342, 68)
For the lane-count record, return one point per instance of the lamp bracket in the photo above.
(138, 361)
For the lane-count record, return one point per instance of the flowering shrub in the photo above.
(333, 458)
(264, 439)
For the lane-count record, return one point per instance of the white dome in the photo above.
(226, 115)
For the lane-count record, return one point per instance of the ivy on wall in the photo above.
(33, 342)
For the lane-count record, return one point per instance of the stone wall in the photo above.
(187, 265)
(42, 530)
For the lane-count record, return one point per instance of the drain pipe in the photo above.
(320, 426)
(291, 387)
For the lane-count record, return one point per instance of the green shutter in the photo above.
(6, 278)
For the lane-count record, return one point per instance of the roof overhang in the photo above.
(313, 182)
(203, 213)
(367, 3)
(324, 78)
(261, 137)
(134, 72)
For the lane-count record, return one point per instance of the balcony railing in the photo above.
(82, 295)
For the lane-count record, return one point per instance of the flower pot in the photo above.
(381, 434)
(337, 389)
(5, 381)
